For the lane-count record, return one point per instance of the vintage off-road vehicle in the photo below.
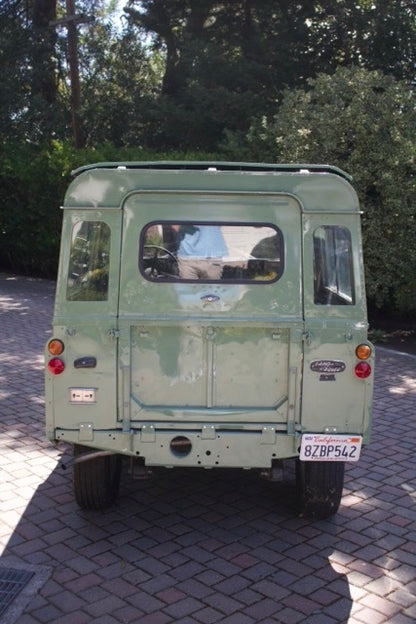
(210, 315)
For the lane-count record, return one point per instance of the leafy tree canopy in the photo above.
(365, 123)
(309, 80)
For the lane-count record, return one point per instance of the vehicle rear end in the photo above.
(255, 356)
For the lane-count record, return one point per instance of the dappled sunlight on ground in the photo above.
(408, 386)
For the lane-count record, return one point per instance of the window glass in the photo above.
(211, 252)
(89, 262)
(333, 271)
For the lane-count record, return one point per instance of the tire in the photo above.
(96, 481)
(319, 487)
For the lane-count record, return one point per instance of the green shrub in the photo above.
(33, 181)
(365, 123)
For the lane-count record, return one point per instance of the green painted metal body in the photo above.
(225, 366)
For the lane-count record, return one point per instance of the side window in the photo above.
(212, 252)
(333, 270)
(89, 262)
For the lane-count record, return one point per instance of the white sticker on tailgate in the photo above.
(328, 447)
(82, 395)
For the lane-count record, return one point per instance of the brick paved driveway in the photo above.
(200, 547)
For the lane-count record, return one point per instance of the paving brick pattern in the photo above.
(201, 547)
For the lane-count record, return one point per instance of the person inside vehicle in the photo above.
(200, 251)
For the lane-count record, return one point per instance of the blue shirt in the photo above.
(202, 241)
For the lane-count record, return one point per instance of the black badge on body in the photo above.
(327, 366)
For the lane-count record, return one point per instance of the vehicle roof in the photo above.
(107, 184)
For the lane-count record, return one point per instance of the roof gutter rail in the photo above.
(216, 166)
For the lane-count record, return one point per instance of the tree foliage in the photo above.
(226, 62)
(259, 78)
(182, 72)
(365, 123)
(28, 98)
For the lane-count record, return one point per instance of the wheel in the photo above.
(319, 487)
(96, 481)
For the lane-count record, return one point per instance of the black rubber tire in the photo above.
(319, 487)
(96, 482)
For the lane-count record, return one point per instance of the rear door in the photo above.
(211, 348)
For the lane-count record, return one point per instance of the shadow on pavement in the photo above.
(183, 544)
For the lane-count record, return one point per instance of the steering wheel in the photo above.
(157, 252)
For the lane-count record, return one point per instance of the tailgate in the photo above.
(206, 368)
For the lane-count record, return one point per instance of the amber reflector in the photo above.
(363, 351)
(56, 347)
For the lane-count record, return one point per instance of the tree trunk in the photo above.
(43, 51)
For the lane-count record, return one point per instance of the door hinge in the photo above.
(86, 432)
(208, 432)
(268, 435)
(148, 433)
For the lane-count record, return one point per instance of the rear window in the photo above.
(211, 252)
(89, 262)
(333, 269)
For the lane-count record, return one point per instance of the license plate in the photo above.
(326, 447)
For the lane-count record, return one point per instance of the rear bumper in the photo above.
(206, 447)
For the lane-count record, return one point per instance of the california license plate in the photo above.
(327, 447)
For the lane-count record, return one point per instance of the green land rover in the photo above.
(210, 315)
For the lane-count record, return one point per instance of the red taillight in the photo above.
(56, 366)
(362, 370)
